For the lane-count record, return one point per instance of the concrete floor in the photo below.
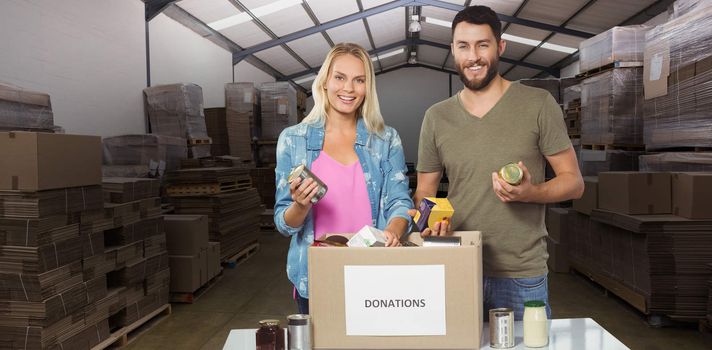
(258, 289)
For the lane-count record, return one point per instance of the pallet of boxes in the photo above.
(232, 206)
(64, 285)
(23, 110)
(279, 111)
(176, 110)
(242, 104)
(611, 120)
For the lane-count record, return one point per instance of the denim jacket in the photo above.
(383, 163)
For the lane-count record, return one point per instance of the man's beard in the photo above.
(472, 84)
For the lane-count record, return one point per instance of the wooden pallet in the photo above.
(610, 66)
(126, 335)
(209, 189)
(619, 147)
(634, 298)
(242, 256)
(190, 298)
(205, 141)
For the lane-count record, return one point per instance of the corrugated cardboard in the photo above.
(691, 195)
(31, 161)
(463, 293)
(213, 259)
(656, 68)
(187, 272)
(558, 255)
(557, 224)
(589, 199)
(186, 234)
(204, 268)
(634, 192)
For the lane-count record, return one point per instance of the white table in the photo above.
(564, 334)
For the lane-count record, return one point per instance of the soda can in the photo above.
(299, 327)
(501, 328)
(304, 173)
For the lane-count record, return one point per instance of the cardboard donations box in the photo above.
(397, 298)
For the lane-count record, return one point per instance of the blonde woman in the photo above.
(345, 143)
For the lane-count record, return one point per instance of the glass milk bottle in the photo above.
(536, 324)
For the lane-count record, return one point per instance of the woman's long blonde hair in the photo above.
(369, 109)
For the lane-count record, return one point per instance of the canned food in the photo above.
(299, 326)
(303, 173)
(512, 174)
(501, 328)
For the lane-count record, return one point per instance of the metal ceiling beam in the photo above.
(566, 22)
(314, 19)
(390, 6)
(651, 11)
(368, 31)
(428, 43)
(417, 65)
(199, 27)
(516, 13)
(511, 19)
(155, 7)
(266, 30)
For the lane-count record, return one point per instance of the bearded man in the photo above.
(471, 135)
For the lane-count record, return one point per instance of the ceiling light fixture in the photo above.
(303, 80)
(413, 59)
(258, 12)
(414, 25)
(388, 54)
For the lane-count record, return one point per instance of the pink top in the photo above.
(345, 207)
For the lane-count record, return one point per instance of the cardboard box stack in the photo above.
(279, 108)
(551, 85)
(709, 298)
(25, 110)
(616, 45)
(593, 162)
(612, 112)
(264, 180)
(649, 240)
(215, 121)
(678, 80)
(301, 105)
(557, 225)
(177, 110)
(134, 259)
(242, 101)
(133, 155)
(572, 110)
(193, 260)
(227, 197)
(47, 182)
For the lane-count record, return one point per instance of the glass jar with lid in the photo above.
(270, 336)
(536, 324)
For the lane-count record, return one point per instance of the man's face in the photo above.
(476, 53)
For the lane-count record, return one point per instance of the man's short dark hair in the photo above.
(479, 15)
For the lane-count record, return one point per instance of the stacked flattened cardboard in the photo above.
(44, 295)
(132, 254)
(242, 102)
(226, 196)
(633, 239)
(616, 45)
(264, 180)
(709, 298)
(676, 161)
(154, 153)
(25, 110)
(558, 238)
(678, 80)
(177, 110)
(215, 121)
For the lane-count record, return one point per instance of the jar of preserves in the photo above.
(270, 336)
(511, 174)
(536, 324)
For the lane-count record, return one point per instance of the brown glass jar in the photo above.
(270, 336)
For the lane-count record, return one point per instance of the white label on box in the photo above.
(394, 300)
(656, 67)
(247, 97)
(282, 109)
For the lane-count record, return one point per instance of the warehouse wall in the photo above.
(88, 55)
(245, 72)
(405, 95)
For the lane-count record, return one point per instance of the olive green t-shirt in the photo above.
(525, 125)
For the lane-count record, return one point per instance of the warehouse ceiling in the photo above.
(290, 38)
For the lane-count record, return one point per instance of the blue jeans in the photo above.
(302, 304)
(513, 292)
